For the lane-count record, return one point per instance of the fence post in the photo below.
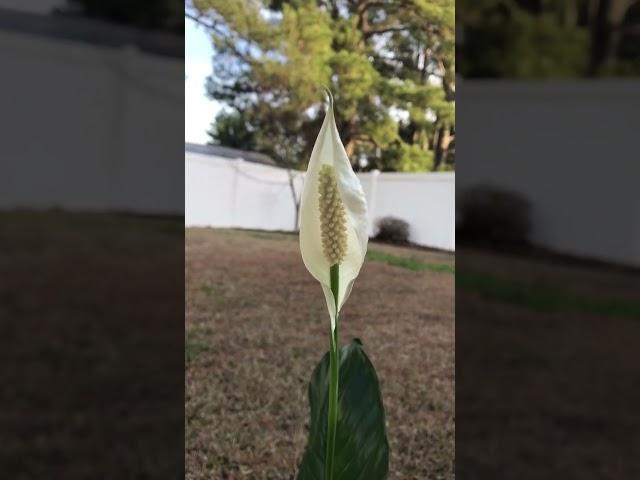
(372, 201)
(119, 146)
(237, 167)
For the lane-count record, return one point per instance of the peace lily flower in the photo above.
(333, 218)
(333, 242)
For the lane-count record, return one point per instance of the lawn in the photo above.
(91, 369)
(547, 378)
(256, 325)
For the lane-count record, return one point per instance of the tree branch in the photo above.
(198, 20)
(230, 43)
(365, 5)
(384, 29)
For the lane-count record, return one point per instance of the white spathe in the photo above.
(328, 150)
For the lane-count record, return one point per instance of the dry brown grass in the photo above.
(90, 341)
(548, 379)
(256, 325)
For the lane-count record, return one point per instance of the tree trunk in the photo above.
(442, 142)
(349, 148)
(296, 200)
(605, 32)
(569, 13)
(448, 81)
(599, 37)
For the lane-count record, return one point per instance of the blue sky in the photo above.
(199, 111)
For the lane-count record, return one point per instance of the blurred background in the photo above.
(548, 39)
(91, 242)
(550, 93)
(113, 83)
(548, 239)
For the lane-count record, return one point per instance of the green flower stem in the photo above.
(334, 362)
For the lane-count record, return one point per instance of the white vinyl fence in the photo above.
(120, 102)
(223, 192)
(569, 148)
(108, 100)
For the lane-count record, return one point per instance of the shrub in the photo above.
(493, 216)
(391, 229)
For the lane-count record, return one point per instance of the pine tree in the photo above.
(389, 64)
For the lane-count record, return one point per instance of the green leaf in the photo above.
(362, 448)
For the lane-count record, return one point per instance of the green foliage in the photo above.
(378, 58)
(404, 157)
(232, 130)
(528, 47)
(409, 263)
(510, 39)
(362, 448)
(193, 347)
(355, 80)
(545, 298)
